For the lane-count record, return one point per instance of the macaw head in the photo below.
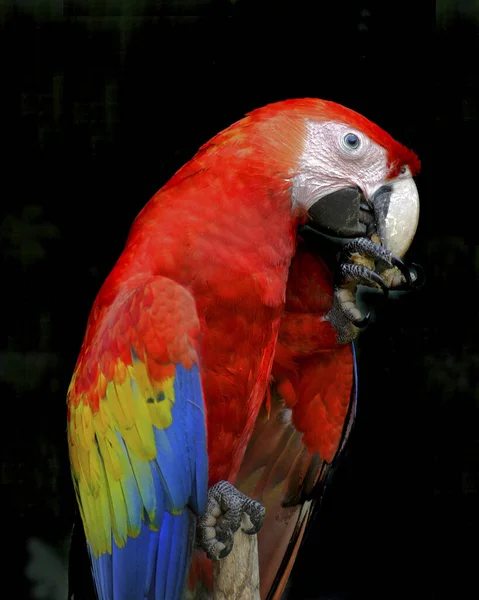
(352, 177)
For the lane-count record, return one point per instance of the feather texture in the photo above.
(138, 443)
(211, 297)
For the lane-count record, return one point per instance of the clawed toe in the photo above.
(361, 270)
(224, 510)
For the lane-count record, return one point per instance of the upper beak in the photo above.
(391, 212)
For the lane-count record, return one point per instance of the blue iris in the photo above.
(351, 140)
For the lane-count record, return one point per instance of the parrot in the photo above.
(217, 376)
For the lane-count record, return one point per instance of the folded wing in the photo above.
(137, 440)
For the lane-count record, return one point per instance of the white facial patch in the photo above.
(335, 157)
(327, 164)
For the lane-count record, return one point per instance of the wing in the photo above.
(137, 440)
(305, 425)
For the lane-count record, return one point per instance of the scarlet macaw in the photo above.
(218, 352)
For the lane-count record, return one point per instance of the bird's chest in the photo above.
(239, 334)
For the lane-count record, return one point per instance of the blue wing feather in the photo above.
(171, 569)
(154, 565)
(196, 432)
(103, 575)
(129, 566)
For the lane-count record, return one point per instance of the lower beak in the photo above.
(392, 213)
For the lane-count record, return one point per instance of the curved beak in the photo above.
(391, 212)
(396, 211)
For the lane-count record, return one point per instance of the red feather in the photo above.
(322, 110)
(224, 228)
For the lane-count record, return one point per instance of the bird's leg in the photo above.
(225, 507)
(357, 267)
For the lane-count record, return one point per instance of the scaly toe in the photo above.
(256, 513)
(224, 510)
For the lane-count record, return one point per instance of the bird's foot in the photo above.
(225, 507)
(358, 267)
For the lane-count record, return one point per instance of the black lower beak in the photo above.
(344, 214)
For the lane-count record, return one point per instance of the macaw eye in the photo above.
(351, 141)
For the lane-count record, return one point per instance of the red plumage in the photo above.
(224, 230)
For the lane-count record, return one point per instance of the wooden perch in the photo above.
(236, 577)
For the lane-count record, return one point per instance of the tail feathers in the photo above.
(282, 479)
(152, 566)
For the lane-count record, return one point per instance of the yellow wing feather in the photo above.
(110, 450)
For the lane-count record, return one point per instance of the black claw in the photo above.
(366, 247)
(399, 264)
(364, 322)
(358, 274)
(251, 530)
(228, 542)
(256, 513)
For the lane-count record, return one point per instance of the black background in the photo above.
(104, 102)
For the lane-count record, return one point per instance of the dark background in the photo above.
(104, 102)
